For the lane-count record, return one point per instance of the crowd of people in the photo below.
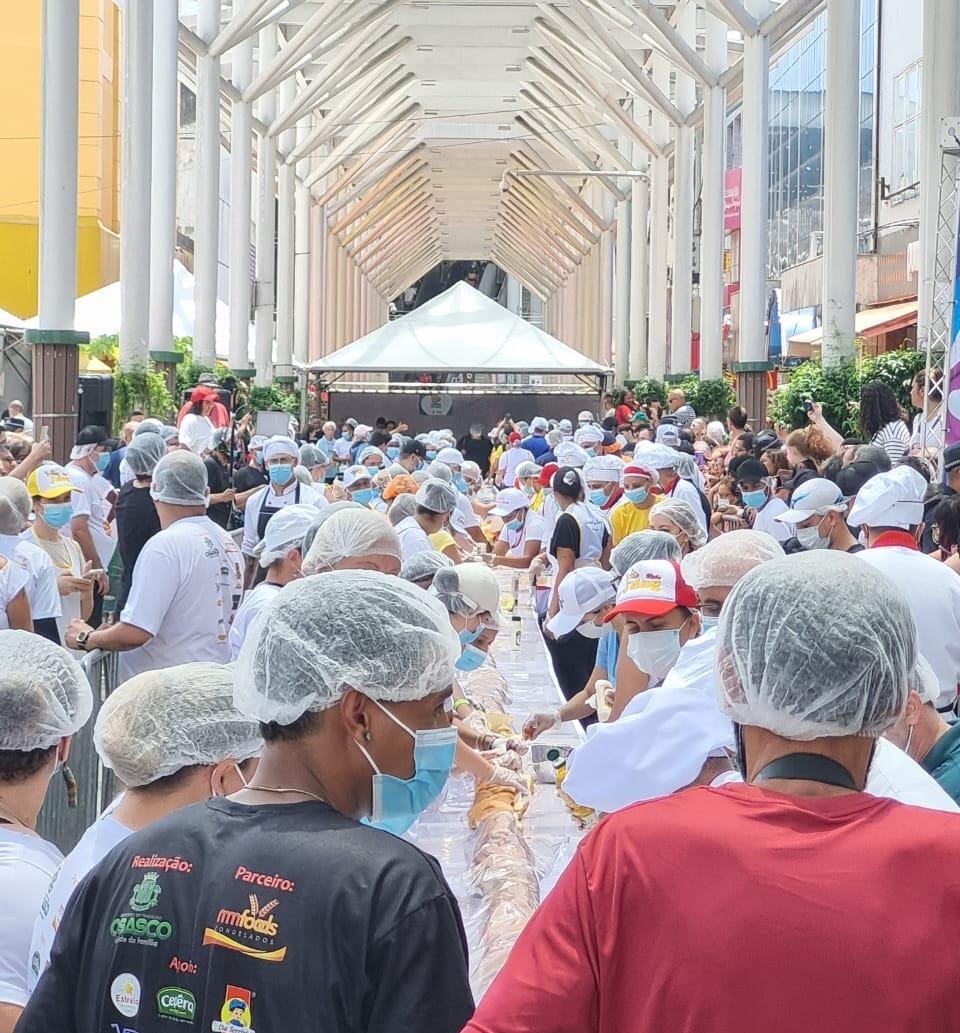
(770, 725)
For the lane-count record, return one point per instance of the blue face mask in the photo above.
(398, 802)
(280, 473)
(513, 525)
(393, 453)
(598, 496)
(346, 435)
(57, 514)
(706, 623)
(754, 499)
(431, 456)
(103, 461)
(364, 496)
(637, 495)
(467, 636)
(460, 484)
(470, 659)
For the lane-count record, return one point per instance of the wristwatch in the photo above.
(82, 637)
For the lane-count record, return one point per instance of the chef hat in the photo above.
(604, 468)
(280, 446)
(890, 499)
(569, 454)
(591, 435)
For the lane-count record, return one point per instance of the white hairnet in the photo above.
(144, 452)
(280, 447)
(370, 452)
(403, 506)
(687, 468)
(44, 694)
(528, 469)
(437, 496)
(15, 505)
(313, 455)
(398, 645)
(715, 431)
(144, 730)
(180, 479)
(423, 565)
(471, 470)
(722, 562)
(681, 513)
(148, 426)
(787, 664)
(285, 531)
(169, 433)
(350, 533)
(440, 472)
(644, 545)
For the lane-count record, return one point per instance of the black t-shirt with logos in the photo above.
(224, 918)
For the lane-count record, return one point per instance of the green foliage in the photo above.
(105, 348)
(896, 370)
(836, 388)
(710, 399)
(273, 399)
(646, 390)
(143, 389)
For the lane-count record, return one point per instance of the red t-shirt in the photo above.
(737, 910)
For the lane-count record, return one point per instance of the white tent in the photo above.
(98, 313)
(458, 330)
(10, 321)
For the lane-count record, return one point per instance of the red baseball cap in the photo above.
(514, 437)
(547, 476)
(203, 394)
(652, 588)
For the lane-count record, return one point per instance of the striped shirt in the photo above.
(684, 416)
(894, 439)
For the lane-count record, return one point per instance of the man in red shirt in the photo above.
(793, 903)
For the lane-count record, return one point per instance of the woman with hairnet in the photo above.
(354, 539)
(809, 691)
(280, 554)
(42, 591)
(421, 568)
(45, 699)
(357, 743)
(678, 518)
(166, 756)
(137, 520)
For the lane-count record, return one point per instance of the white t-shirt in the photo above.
(509, 461)
(766, 520)
(413, 538)
(254, 603)
(464, 516)
(66, 557)
(307, 496)
(342, 450)
(13, 579)
(196, 433)
(91, 501)
(42, 590)
(102, 836)
(934, 434)
(27, 864)
(533, 530)
(186, 589)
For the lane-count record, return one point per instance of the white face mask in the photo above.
(590, 630)
(655, 652)
(810, 538)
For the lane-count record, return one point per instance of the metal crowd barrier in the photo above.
(96, 786)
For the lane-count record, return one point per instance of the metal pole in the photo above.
(60, 56)
(163, 175)
(241, 184)
(266, 223)
(207, 159)
(841, 182)
(711, 216)
(136, 147)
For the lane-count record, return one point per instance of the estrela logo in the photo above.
(173, 1002)
(125, 994)
(252, 931)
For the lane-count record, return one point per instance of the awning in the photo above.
(869, 322)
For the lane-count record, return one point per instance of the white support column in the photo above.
(639, 269)
(241, 184)
(136, 145)
(606, 264)
(266, 222)
(711, 216)
(939, 99)
(301, 270)
(657, 345)
(286, 210)
(621, 284)
(207, 194)
(163, 175)
(683, 172)
(754, 190)
(841, 182)
(60, 58)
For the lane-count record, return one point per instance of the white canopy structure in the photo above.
(459, 330)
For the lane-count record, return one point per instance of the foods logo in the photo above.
(647, 583)
(125, 994)
(173, 1002)
(236, 1015)
(141, 925)
(252, 931)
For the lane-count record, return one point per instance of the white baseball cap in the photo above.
(890, 499)
(356, 473)
(585, 417)
(816, 496)
(509, 501)
(581, 592)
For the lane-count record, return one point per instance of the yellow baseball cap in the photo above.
(49, 482)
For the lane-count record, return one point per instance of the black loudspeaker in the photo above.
(95, 401)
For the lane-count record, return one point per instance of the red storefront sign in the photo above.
(731, 200)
